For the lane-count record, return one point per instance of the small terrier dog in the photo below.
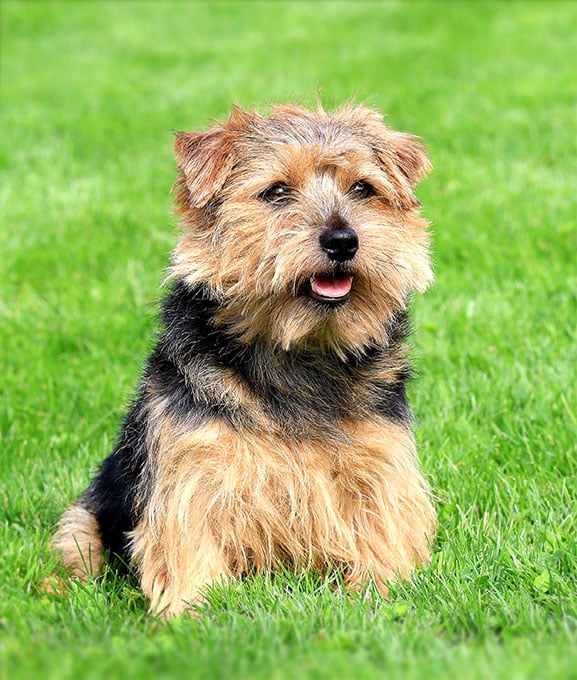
(271, 425)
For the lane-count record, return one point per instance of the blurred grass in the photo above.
(90, 92)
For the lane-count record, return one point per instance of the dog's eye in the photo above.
(277, 193)
(362, 189)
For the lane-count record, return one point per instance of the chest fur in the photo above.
(264, 499)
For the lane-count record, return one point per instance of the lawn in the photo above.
(90, 92)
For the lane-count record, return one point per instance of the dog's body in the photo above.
(271, 425)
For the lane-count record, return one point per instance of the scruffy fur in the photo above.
(271, 427)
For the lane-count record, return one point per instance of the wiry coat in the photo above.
(268, 427)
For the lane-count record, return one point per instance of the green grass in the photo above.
(90, 92)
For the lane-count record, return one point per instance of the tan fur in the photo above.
(77, 541)
(224, 505)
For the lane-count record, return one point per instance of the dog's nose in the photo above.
(340, 244)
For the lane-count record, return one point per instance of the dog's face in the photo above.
(304, 225)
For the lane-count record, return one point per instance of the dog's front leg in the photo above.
(175, 568)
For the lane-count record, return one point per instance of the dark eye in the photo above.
(362, 189)
(277, 193)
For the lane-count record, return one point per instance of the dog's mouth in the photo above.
(331, 288)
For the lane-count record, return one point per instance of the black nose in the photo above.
(339, 244)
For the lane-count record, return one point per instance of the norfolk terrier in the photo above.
(271, 425)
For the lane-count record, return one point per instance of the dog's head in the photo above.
(303, 225)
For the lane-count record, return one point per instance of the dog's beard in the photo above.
(356, 312)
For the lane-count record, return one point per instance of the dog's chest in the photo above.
(265, 497)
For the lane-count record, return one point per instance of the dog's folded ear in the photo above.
(408, 154)
(204, 161)
(401, 155)
(404, 158)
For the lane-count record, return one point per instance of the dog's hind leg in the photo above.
(78, 542)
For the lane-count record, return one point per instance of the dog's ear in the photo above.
(409, 155)
(401, 155)
(204, 161)
(404, 158)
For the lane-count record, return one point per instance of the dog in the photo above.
(271, 424)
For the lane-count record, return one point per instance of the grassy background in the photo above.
(90, 92)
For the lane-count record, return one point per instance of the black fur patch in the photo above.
(302, 391)
(112, 494)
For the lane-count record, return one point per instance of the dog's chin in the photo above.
(331, 290)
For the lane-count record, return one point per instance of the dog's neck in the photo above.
(303, 391)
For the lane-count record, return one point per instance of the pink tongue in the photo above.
(333, 286)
